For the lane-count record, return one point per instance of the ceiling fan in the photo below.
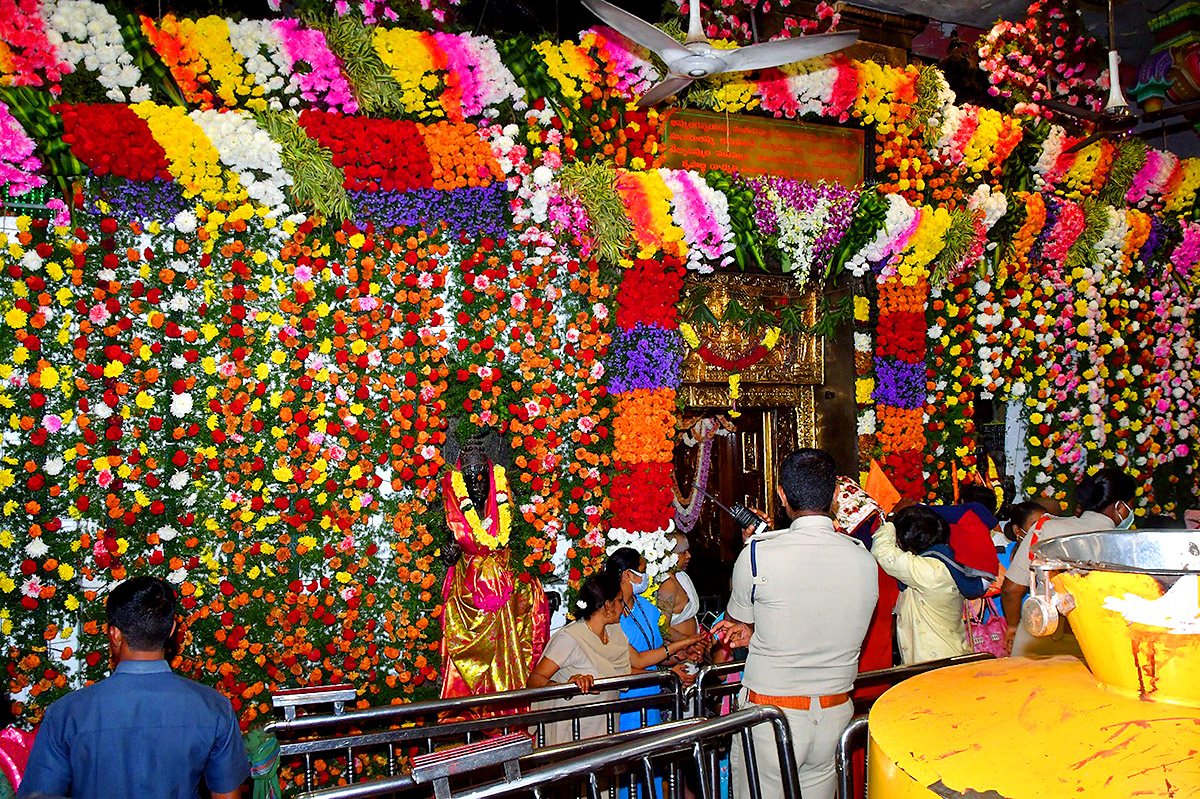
(696, 58)
(1115, 117)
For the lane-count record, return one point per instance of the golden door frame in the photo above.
(783, 383)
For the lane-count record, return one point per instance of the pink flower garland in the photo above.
(324, 85)
(31, 58)
(1185, 257)
(17, 161)
(845, 88)
(776, 95)
(1071, 222)
(968, 124)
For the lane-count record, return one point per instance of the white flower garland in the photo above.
(260, 44)
(247, 150)
(654, 546)
(85, 32)
(897, 220)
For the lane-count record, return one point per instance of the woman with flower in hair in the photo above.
(591, 647)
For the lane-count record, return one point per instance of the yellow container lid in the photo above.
(1019, 728)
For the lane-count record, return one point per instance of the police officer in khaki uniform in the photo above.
(802, 599)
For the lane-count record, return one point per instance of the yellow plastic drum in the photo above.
(1133, 600)
(1019, 728)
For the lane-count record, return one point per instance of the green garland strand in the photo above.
(315, 180)
(354, 43)
(595, 184)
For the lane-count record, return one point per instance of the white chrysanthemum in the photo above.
(185, 222)
(181, 404)
(250, 153)
(84, 33)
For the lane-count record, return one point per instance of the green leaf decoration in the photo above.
(316, 182)
(595, 184)
(353, 42)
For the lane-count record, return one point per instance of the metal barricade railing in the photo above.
(710, 685)
(853, 738)
(583, 761)
(444, 722)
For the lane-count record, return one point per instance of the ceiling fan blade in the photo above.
(1085, 143)
(668, 87)
(786, 51)
(1153, 134)
(637, 30)
(695, 31)
(1077, 111)
(1175, 110)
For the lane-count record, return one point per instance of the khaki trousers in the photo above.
(815, 735)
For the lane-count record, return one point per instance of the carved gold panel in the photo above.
(796, 359)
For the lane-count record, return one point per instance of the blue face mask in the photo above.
(1127, 522)
(641, 581)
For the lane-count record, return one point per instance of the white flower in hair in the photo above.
(581, 604)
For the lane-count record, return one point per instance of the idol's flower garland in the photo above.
(503, 525)
(19, 166)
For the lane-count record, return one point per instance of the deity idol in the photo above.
(494, 626)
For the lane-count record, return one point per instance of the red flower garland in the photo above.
(375, 154)
(91, 131)
(649, 292)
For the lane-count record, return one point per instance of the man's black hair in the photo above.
(918, 528)
(1104, 488)
(808, 478)
(981, 494)
(143, 609)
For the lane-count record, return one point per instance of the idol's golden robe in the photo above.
(494, 625)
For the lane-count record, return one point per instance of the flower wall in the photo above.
(300, 256)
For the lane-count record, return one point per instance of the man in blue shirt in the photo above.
(144, 731)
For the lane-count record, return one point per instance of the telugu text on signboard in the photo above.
(702, 140)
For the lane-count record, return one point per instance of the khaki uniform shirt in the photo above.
(816, 592)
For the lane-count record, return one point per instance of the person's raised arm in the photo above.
(911, 569)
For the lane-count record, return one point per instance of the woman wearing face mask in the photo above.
(1106, 500)
(591, 647)
(647, 650)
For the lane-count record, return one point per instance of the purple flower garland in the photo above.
(477, 210)
(142, 199)
(899, 384)
(646, 357)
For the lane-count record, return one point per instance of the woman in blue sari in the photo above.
(639, 622)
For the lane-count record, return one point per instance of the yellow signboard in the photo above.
(703, 140)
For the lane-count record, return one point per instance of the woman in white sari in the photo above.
(589, 648)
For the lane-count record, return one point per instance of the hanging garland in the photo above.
(688, 509)
(503, 508)
(756, 354)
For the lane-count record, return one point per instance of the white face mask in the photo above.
(1127, 522)
(641, 581)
